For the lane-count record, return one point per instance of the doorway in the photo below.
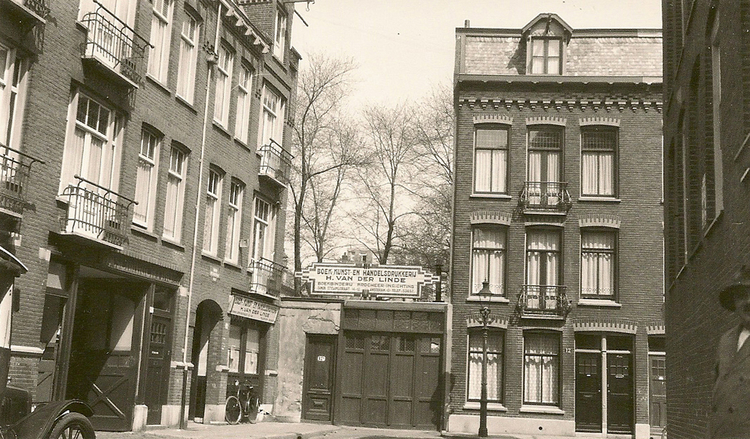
(207, 316)
(657, 384)
(320, 360)
(159, 354)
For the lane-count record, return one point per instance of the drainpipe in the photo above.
(212, 59)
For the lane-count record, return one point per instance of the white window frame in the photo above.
(272, 117)
(13, 82)
(280, 30)
(599, 154)
(716, 98)
(213, 213)
(188, 58)
(545, 56)
(122, 9)
(242, 120)
(223, 85)
(495, 352)
(108, 173)
(498, 183)
(599, 253)
(497, 286)
(557, 358)
(161, 38)
(175, 194)
(146, 179)
(234, 222)
(264, 230)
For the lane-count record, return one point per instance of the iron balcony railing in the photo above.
(15, 172)
(549, 196)
(40, 7)
(267, 277)
(275, 162)
(115, 44)
(96, 212)
(543, 301)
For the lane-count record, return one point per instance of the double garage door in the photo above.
(390, 380)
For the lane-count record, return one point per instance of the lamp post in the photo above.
(485, 296)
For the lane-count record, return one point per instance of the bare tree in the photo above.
(321, 88)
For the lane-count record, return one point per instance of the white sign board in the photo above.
(383, 280)
(252, 309)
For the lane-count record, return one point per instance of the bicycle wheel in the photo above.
(252, 409)
(232, 410)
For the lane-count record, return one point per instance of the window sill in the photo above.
(158, 84)
(498, 299)
(491, 196)
(222, 128)
(599, 302)
(185, 102)
(242, 144)
(548, 409)
(211, 257)
(233, 264)
(491, 406)
(142, 230)
(600, 199)
(172, 243)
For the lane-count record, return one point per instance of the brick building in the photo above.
(144, 149)
(557, 206)
(706, 162)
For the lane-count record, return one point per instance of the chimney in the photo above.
(467, 23)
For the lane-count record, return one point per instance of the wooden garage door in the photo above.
(390, 380)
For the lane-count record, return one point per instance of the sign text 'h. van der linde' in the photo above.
(366, 274)
(383, 281)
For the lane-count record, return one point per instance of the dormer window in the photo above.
(546, 56)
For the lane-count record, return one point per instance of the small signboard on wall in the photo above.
(381, 281)
(252, 309)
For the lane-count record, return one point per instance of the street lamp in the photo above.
(485, 296)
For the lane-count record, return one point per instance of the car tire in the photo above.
(73, 426)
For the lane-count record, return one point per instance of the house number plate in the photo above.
(321, 358)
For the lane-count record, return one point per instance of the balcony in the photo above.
(268, 277)
(113, 46)
(545, 197)
(15, 172)
(543, 302)
(274, 164)
(29, 13)
(96, 213)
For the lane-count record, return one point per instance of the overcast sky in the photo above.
(404, 47)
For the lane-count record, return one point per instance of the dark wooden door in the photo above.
(376, 381)
(318, 378)
(658, 391)
(619, 394)
(588, 392)
(157, 373)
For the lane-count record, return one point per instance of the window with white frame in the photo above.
(718, 161)
(213, 213)
(279, 41)
(161, 35)
(598, 264)
(264, 229)
(175, 201)
(541, 368)
(242, 120)
(488, 258)
(491, 160)
(146, 179)
(495, 342)
(546, 56)
(223, 85)
(12, 96)
(234, 222)
(92, 144)
(122, 9)
(272, 124)
(598, 159)
(188, 58)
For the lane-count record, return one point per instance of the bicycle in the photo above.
(242, 405)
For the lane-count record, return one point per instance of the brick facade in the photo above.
(610, 79)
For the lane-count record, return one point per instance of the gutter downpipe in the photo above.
(194, 254)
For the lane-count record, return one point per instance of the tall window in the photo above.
(244, 350)
(546, 56)
(263, 230)
(122, 9)
(598, 148)
(161, 36)
(175, 194)
(598, 263)
(91, 146)
(488, 259)
(542, 269)
(188, 58)
(718, 163)
(544, 174)
(12, 87)
(491, 160)
(234, 222)
(146, 179)
(541, 371)
(213, 213)
(279, 41)
(272, 125)
(242, 120)
(223, 85)
(495, 343)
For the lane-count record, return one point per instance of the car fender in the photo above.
(39, 423)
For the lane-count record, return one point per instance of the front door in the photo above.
(158, 362)
(658, 391)
(318, 383)
(588, 392)
(619, 394)
(104, 351)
